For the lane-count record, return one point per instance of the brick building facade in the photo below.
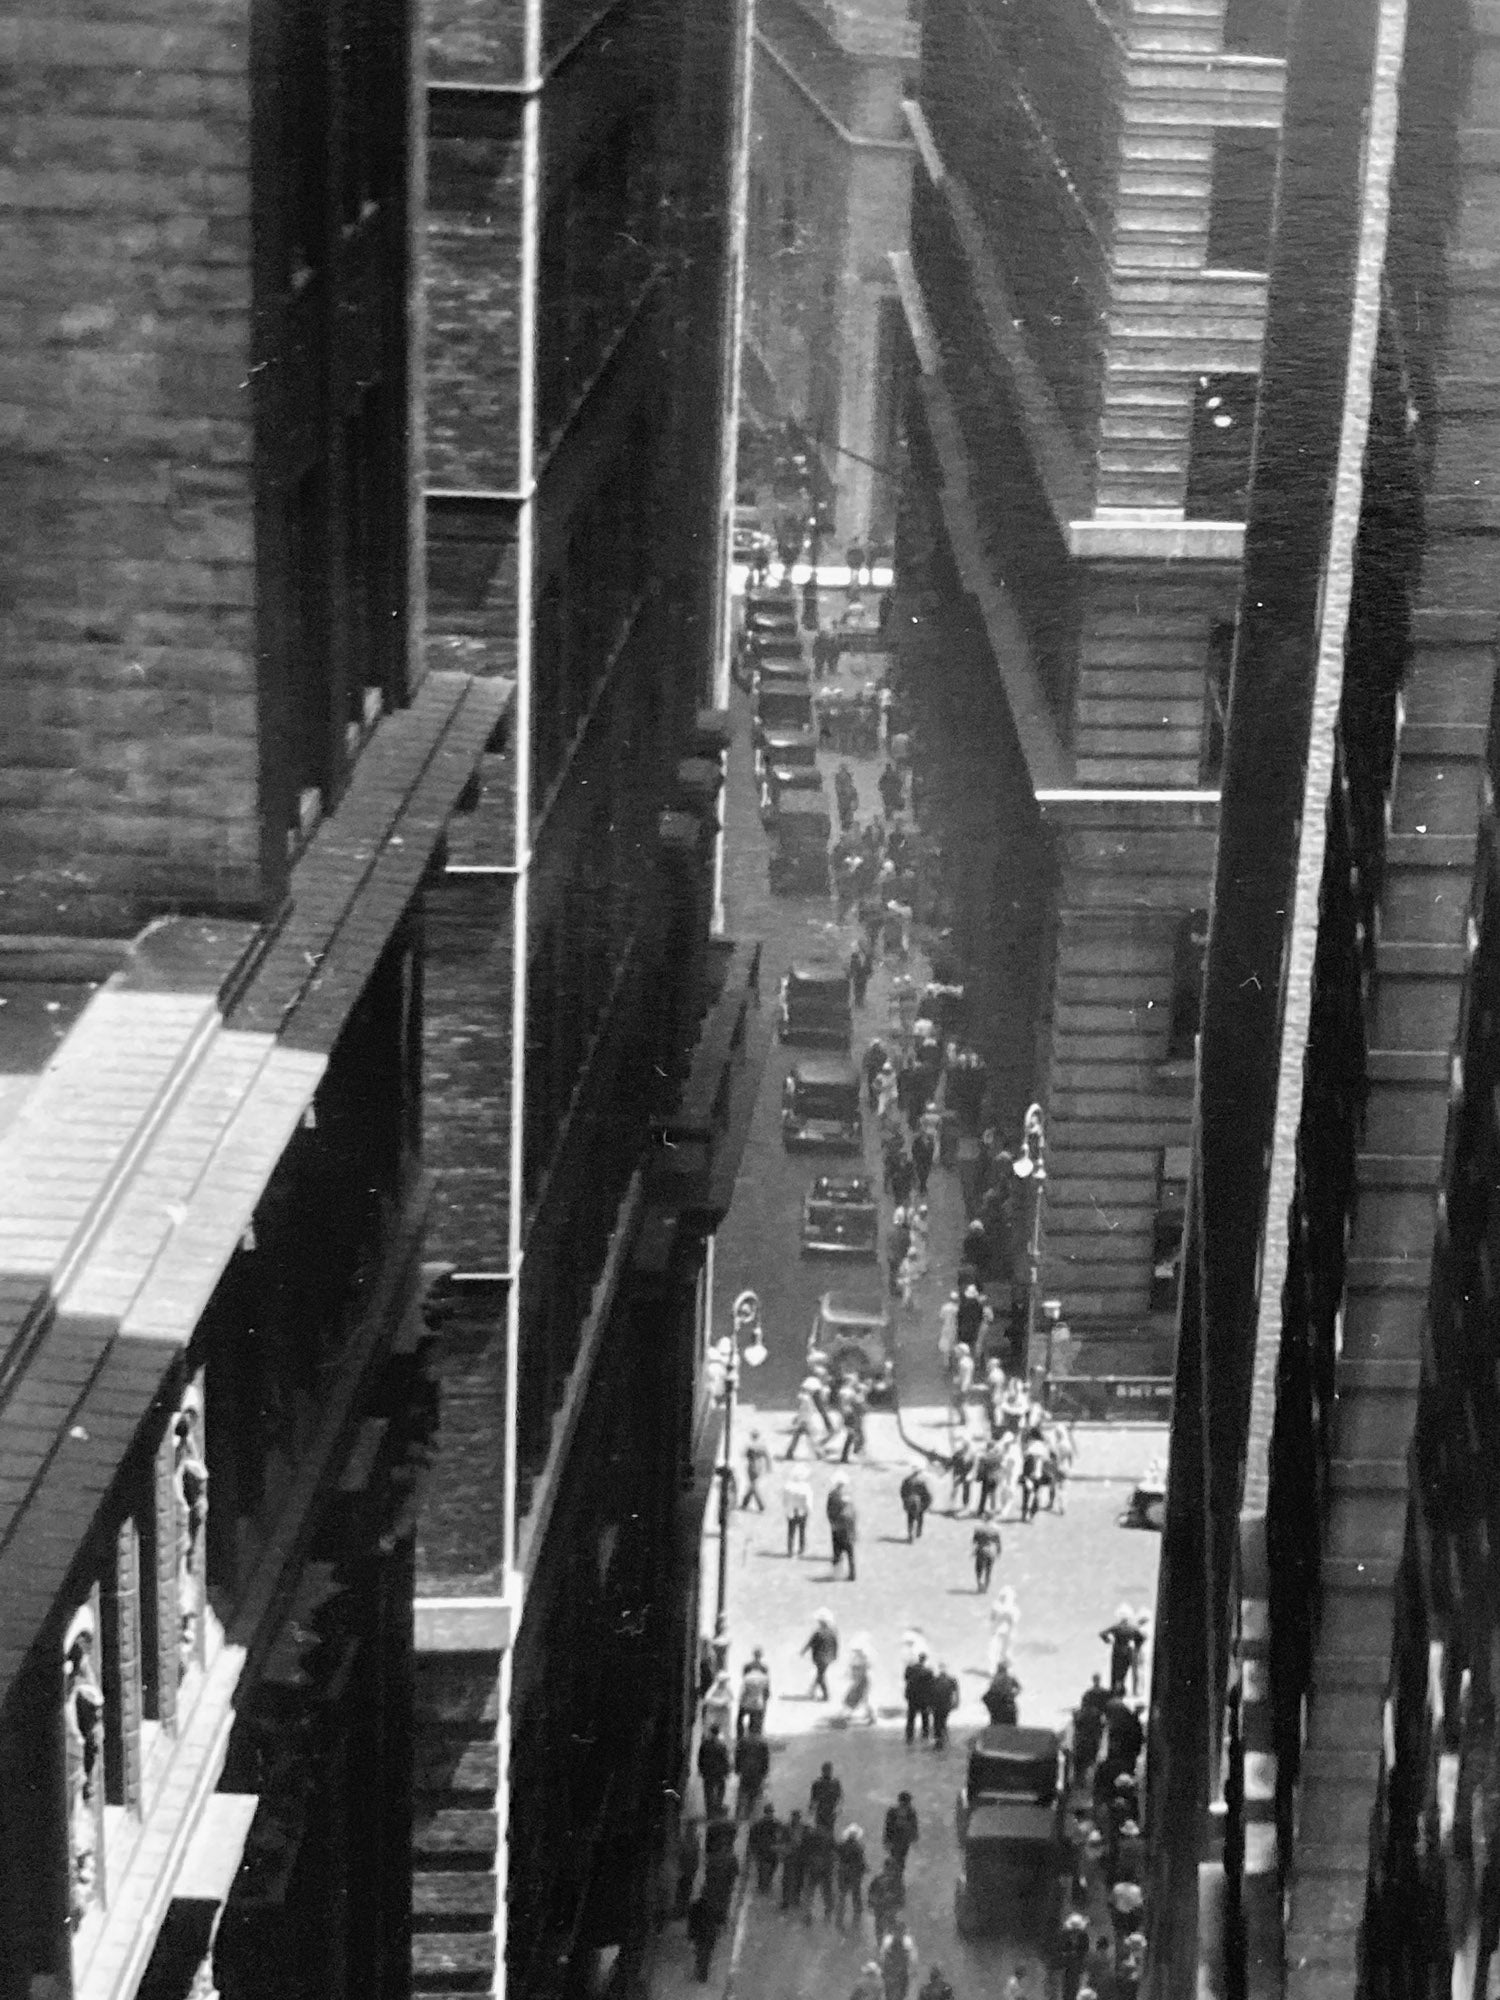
(829, 192)
(223, 774)
(591, 1053)
(1083, 310)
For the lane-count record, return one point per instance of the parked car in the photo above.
(815, 1003)
(821, 1105)
(749, 538)
(791, 749)
(792, 786)
(856, 1334)
(841, 1217)
(800, 836)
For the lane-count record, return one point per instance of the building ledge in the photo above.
(862, 141)
(463, 1624)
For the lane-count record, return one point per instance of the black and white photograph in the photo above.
(749, 1000)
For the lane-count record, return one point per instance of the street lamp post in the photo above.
(1032, 1167)
(746, 1320)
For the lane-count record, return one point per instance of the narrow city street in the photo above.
(1070, 1572)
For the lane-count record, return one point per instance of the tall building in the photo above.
(592, 1053)
(1083, 304)
(1322, 1797)
(829, 195)
(223, 773)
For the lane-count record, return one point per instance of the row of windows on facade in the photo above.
(131, 1650)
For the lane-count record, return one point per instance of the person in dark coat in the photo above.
(1002, 1698)
(703, 1929)
(793, 1834)
(892, 791)
(820, 1859)
(918, 1683)
(916, 1498)
(825, 1796)
(1125, 1640)
(901, 1830)
(1088, 1735)
(961, 1470)
(861, 965)
(897, 1243)
(900, 1175)
(752, 1762)
(842, 1524)
(986, 1550)
(876, 1057)
(852, 1869)
(689, 1854)
(923, 1152)
(763, 1848)
(713, 1769)
(943, 1699)
(887, 1894)
(721, 1870)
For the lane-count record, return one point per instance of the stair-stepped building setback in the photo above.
(1084, 304)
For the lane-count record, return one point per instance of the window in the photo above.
(314, 720)
(1216, 716)
(85, 1753)
(1188, 950)
(1219, 454)
(1242, 191)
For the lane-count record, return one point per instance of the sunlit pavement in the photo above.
(1070, 1573)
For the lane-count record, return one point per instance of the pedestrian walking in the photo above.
(821, 1858)
(969, 1320)
(846, 796)
(900, 1176)
(1002, 1698)
(961, 1472)
(763, 1848)
(943, 1700)
(1035, 1468)
(757, 1465)
(852, 1400)
(1126, 1901)
(1099, 1974)
(916, 1498)
(917, 1680)
(990, 1467)
(752, 1763)
(755, 1694)
(892, 791)
(860, 967)
(858, 1702)
(887, 1893)
(721, 1870)
(986, 1547)
(713, 1769)
(1088, 1729)
(852, 1867)
(796, 1500)
(718, 1705)
(875, 1060)
(901, 1831)
(825, 1796)
(962, 1377)
(843, 1525)
(897, 1243)
(807, 1423)
(703, 1929)
(898, 1959)
(937, 1986)
(1071, 1952)
(1005, 1616)
(920, 1225)
(948, 1327)
(793, 1835)
(822, 1648)
(1125, 1639)
(868, 1986)
(923, 1153)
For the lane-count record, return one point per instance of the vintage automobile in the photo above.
(815, 1004)
(855, 1334)
(821, 1105)
(791, 749)
(771, 614)
(1011, 1818)
(777, 645)
(750, 538)
(841, 1217)
(793, 674)
(800, 834)
(791, 786)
